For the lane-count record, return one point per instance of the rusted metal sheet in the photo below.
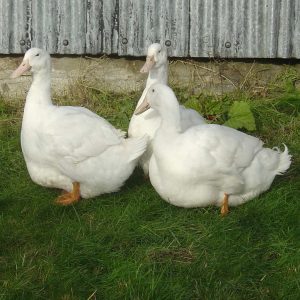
(244, 28)
(144, 22)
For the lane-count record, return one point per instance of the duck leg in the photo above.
(69, 198)
(224, 207)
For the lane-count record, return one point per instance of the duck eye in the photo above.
(153, 90)
(37, 54)
(159, 51)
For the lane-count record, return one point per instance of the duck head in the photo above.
(156, 57)
(35, 60)
(160, 97)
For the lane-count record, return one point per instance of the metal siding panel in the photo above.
(174, 26)
(256, 41)
(253, 28)
(59, 26)
(20, 36)
(237, 28)
(44, 25)
(271, 26)
(200, 28)
(5, 9)
(131, 22)
(71, 26)
(94, 27)
(287, 33)
(144, 22)
(15, 26)
(296, 40)
(225, 33)
(102, 27)
(216, 30)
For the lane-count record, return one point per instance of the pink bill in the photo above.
(22, 68)
(148, 64)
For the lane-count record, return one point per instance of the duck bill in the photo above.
(150, 62)
(22, 68)
(142, 107)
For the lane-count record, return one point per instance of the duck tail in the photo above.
(136, 146)
(284, 160)
(121, 133)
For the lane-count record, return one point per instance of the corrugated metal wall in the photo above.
(245, 28)
(196, 28)
(144, 22)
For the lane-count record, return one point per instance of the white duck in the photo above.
(147, 123)
(207, 164)
(71, 148)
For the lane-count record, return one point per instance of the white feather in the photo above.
(148, 122)
(197, 167)
(65, 144)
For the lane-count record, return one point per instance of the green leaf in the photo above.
(240, 116)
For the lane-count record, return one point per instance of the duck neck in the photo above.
(40, 89)
(171, 120)
(159, 74)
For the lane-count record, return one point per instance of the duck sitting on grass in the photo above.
(207, 164)
(71, 148)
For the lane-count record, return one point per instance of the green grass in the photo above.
(134, 245)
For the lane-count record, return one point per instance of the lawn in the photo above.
(134, 245)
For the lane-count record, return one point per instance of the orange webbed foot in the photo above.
(224, 207)
(71, 197)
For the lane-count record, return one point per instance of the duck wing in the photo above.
(75, 133)
(219, 154)
(226, 146)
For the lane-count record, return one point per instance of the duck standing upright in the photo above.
(208, 164)
(157, 67)
(71, 148)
